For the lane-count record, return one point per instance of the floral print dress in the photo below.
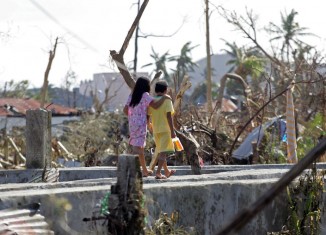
(137, 118)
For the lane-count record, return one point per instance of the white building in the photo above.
(114, 82)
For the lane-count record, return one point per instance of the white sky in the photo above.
(90, 28)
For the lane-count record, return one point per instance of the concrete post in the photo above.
(38, 138)
(125, 202)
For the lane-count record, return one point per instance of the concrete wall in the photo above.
(208, 207)
(205, 202)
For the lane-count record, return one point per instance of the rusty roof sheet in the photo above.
(227, 105)
(18, 107)
(4, 111)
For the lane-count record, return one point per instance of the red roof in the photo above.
(18, 107)
(4, 111)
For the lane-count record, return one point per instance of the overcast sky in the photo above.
(88, 29)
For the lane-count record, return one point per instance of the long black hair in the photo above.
(142, 85)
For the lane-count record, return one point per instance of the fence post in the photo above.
(38, 138)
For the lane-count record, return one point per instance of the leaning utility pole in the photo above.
(209, 67)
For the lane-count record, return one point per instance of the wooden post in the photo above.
(191, 148)
(255, 157)
(38, 138)
(17, 152)
(6, 152)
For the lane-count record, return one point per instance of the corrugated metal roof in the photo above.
(18, 107)
(49, 175)
(25, 221)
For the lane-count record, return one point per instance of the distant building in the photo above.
(14, 107)
(114, 82)
(71, 98)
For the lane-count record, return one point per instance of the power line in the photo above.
(45, 12)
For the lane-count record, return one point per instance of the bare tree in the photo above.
(68, 81)
(109, 94)
(47, 72)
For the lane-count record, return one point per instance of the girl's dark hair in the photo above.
(142, 85)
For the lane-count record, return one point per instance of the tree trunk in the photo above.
(118, 57)
(46, 74)
(208, 57)
(190, 146)
(136, 41)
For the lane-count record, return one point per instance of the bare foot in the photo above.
(147, 173)
(170, 173)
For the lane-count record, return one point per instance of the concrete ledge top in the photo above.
(84, 173)
(235, 177)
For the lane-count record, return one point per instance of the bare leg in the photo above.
(140, 152)
(161, 162)
(168, 172)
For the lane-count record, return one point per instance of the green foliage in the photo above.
(305, 202)
(273, 150)
(105, 204)
(289, 33)
(160, 63)
(184, 63)
(305, 205)
(244, 61)
(15, 89)
(309, 137)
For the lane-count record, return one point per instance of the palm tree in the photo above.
(244, 62)
(184, 63)
(160, 63)
(289, 32)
